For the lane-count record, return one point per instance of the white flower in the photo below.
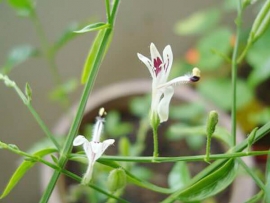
(162, 91)
(94, 148)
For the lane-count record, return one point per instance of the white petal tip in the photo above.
(79, 140)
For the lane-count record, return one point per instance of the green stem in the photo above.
(149, 159)
(45, 48)
(28, 104)
(155, 140)
(234, 71)
(208, 147)
(15, 150)
(252, 174)
(48, 54)
(77, 120)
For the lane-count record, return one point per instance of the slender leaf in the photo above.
(256, 198)
(66, 36)
(22, 7)
(22, 169)
(93, 27)
(179, 176)
(207, 183)
(92, 55)
(17, 56)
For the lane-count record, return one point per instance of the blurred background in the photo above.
(138, 23)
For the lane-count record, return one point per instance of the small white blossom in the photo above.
(94, 148)
(162, 91)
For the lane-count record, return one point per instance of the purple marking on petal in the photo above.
(157, 65)
(166, 64)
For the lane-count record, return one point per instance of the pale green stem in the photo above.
(28, 104)
(234, 72)
(252, 174)
(77, 120)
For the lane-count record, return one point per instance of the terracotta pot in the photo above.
(113, 97)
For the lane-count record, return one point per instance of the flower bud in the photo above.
(116, 179)
(211, 123)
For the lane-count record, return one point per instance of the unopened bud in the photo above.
(28, 92)
(116, 179)
(211, 123)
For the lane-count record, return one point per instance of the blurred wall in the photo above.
(138, 23)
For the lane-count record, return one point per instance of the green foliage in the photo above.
(22, 169)
(91, 58)
(209, 182)
(114, 127)
(179, 176)
(218, 41)
(139, 106)
(17, 56)
(67, 35)
(22, 7)
(219, 91)
(93, 27)
(198, 22)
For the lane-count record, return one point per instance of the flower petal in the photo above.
(163, 107)
(157, 61)
(154, 52)
(167, 60)
(179, 80)
(79, 140)
(103, 146)
(88, 151)
(148, 64)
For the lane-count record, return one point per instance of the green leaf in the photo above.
(198, 22)
(256, 198)
(187, 112)
(218, 90)
(212, 47)
(66, 36)
(17, 56)
(93, 27)
(179, 131)
(140, 106)
(259, 74)
(22, 7)
(258, 54)
(115, 127)
(179, 176)
(22, 169)
(60, 92)
(209, 182)
(88, 65)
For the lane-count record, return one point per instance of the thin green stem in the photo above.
(77, 120)
(33, 158)
(252, 174)
(108, 10)
(149, 159)
(155, 140)
(45, 48)
(208, 147)
(234, 72)
(49, 54)
(28, 104)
